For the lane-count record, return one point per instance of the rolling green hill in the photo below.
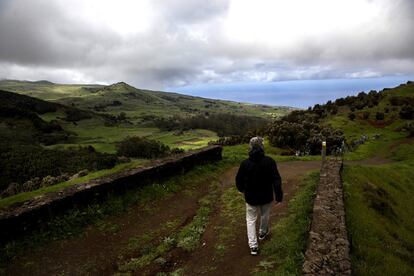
(120, 110)
(21, 120)
(138, 104)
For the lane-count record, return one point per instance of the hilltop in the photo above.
(138, 104)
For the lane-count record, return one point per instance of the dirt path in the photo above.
(376, 160)
(380, 159)
(100, 250)
(237, 260)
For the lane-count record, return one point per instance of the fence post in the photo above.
(323, 151)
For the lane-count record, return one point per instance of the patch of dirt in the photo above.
(380, 123)
(381, 160)
(97, 252)
(373, 161)
(409, 140)
(188, 141)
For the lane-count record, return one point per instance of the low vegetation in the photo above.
(223, 124)
(22, 163)
(140, 147)
(301, 132)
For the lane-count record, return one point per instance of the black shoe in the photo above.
(263, 235)
(253, 251)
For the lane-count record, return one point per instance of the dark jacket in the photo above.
(258, 178)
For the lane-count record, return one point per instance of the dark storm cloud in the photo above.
(41, 33)
(186, 42)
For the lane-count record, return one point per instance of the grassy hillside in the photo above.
(130, 111)
(378, 199)
(378, 126)
(380, 211)
(21, 120)
(138, 104)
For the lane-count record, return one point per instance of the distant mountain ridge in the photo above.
(122, 97)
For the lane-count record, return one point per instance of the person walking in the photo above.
(260, 182)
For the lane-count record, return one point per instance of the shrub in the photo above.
(409, 128)
(399, 101)
(19, 163)
(351, 116)
(75, 115)
(379, 116)
(304, 136)
(141, 147)
(222, 124)
(406, 113)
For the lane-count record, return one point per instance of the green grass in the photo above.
(233, 211)
(379, 216)
(377, 147)
(284, 252)
(187, 238)
(5, 202)
(404, 152)
(372, 147)
(104, 138)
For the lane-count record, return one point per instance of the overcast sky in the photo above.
(176, 44)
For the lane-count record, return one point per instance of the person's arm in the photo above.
(277, 183)
(240, 178)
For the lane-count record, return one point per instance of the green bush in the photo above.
(379, 116)
(141, 147)
(222, 124)
(19, 163)
(365, 115)
(407, 113)
(304, 136)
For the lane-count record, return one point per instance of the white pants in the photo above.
(251, 217)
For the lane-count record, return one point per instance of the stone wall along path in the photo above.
(328, 245)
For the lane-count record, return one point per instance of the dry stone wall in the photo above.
(19, 218)
(328, 245)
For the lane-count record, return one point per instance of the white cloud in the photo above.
(159, 43)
